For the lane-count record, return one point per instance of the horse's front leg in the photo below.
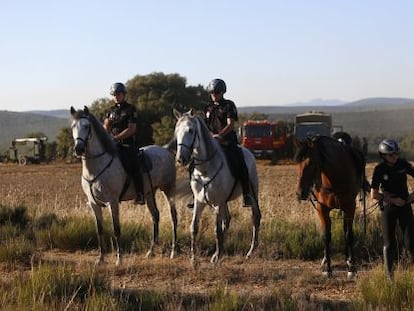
(256, 218)
(97, 210)
(155, 214)
(197, 211)
(114, 208)
(221, 219)
(326, 231)
(349, 242)
(173, 213)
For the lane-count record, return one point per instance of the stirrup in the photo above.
(247, 200)
(139, 199)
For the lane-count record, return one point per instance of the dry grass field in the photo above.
(55, 188)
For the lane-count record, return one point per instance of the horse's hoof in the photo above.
(327, 274)
(99, 261)
(195, 263)
(351, 275)
(214, 259)
(149, 254)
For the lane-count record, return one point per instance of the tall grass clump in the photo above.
(60, 288)
(79, 233)
(288, 239)
(378, 293)
(224, 300)
(16, 243)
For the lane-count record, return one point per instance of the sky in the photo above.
(57, 54)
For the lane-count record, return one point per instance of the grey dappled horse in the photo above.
(211, 181)
(104, 178)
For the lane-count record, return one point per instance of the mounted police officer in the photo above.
(121, 122)
(220, 117)
(389, 188)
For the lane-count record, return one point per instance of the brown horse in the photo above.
(331, 173)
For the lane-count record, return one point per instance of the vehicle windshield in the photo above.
(304, 131)
(257, 131)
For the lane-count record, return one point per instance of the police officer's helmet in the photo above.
(388, 146)
(117, 88)
(217, 86)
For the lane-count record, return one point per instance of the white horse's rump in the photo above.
(212, 182)
(104, 178)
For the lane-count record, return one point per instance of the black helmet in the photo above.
(217, 86)
(117, 88)
(388, 146)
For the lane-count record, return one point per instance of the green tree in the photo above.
(64, 143)
(155, 95)
(163, 131)
(100, 106)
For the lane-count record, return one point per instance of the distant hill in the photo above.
(367, 104)
(60, 113)
(19, 124)
(374, 118)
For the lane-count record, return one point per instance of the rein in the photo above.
(199, 162)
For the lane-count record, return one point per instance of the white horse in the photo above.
(106, 183)
(211, 181)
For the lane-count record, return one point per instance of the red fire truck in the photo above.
(265, 138)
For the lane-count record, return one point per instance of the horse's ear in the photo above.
(191, 112)
(72, 111)
(177, 114)
(85, 110)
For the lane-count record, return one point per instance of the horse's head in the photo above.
(185, 133)
(81, 130)
(308, 159)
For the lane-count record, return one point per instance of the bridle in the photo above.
(198, 162)
(85, 142)
(190, 148)
(89, 157)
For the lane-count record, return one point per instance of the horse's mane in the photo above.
(320, 143)
(205, 135)
(106, 141)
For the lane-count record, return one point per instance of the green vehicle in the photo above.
(312, 124)
(28, 150)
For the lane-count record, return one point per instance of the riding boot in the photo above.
(388, 262)
(139, 199)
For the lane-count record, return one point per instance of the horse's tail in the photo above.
(171, 146)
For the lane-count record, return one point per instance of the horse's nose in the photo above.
(302, 195)
(79, 149)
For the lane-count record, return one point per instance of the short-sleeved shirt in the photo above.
(121, 115)
(217, 115)
(393, 179)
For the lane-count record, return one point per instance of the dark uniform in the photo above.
(121, 115)
(216, 120)
(392, 180)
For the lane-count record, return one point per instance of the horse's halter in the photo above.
(191, 147)
(85, 141)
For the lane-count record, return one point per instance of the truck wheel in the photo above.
(22, 161)
(274, 158)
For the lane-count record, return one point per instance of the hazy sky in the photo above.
(54, 54)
